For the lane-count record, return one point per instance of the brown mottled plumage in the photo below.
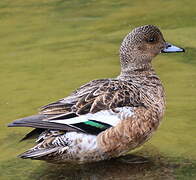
(105, 118)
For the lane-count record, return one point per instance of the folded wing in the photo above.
(91, 109)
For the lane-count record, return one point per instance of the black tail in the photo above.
(33, 134)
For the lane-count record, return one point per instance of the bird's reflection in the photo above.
(127, 167)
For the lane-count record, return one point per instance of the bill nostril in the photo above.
(168, 45)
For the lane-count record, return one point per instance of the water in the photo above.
(48, 48)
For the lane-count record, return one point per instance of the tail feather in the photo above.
(33, 134)
(38, 153)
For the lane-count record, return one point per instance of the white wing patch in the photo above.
(111, 117)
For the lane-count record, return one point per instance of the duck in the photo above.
(104, 118)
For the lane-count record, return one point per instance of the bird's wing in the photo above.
(79, 101)
(96, 95)
(92, 108)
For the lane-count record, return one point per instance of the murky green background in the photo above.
(50, 47)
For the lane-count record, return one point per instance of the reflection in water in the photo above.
(112, 169)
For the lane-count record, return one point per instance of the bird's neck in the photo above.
(127, 74)
(132, 64)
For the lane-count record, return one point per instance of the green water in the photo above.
(50, 47)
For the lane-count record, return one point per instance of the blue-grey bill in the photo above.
(172, 49)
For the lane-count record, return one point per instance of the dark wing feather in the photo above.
(40, 121)
(33, 134)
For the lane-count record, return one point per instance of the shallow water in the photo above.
(48, 48)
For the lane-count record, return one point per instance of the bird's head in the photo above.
(141, 45)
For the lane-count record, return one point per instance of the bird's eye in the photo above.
(151, 40)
